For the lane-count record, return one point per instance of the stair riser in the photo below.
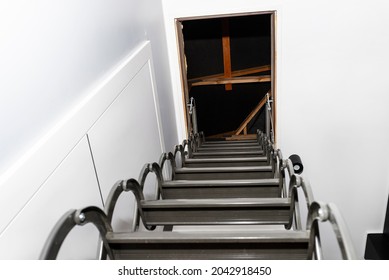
(230, 145)
(224, 176)
(252, 141)
(221, 192)
(229, 149)
(218, 216)
(227, 164)
(226, 155)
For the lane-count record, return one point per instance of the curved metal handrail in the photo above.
(136, 187)
(295, 183)
(329, 212)
(172, 156)
(279, 165)
(153, 168)
(113, 196)
(187, 143)
(68, 221)
(196, 140)
(130, 185)
(261, 137)
(191, 142)
(172, 159)
(269, 150)
(202, 137)
(179, 149)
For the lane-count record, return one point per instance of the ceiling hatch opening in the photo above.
(227, 66)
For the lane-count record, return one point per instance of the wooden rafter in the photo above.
(236, 73)
(235, 80)
(251, 115)
(226, 51)
(252, 70)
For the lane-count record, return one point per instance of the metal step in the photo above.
(229, 144)
(224, 173)
(231, 211)
(238, 154)
(187, 189)
(269, 245)
(226, 162)
(229, 149)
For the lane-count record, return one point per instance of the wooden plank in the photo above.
(185, 85)
(226, 51)
(273, 73)
(236, 73)
(251, 115)
(252, 70)
(234, 80)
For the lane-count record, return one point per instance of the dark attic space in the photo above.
(228, 71)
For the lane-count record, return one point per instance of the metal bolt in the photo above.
(82, 217)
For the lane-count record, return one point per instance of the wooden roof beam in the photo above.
(235, 80)
(251, 115)
(236, 73)
(226, 51)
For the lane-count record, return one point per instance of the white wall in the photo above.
(64, 65)
(72, 185)
(151, 16)
(108, 137)
(53, 53)
(332, 97)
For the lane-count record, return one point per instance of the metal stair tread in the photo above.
(215, 203)
(221, 183)
(257, 152)
(239, 148)
(223, 169)
(221, 160)
(232, 142)
(285, 236)
(237, 145)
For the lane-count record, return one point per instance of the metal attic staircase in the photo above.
(246, 184)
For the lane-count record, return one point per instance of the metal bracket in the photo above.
(191, 104)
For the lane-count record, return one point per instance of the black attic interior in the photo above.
(221, 109)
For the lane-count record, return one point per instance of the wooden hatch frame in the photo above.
(229, 77)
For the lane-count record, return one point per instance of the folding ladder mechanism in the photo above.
(245, 184)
